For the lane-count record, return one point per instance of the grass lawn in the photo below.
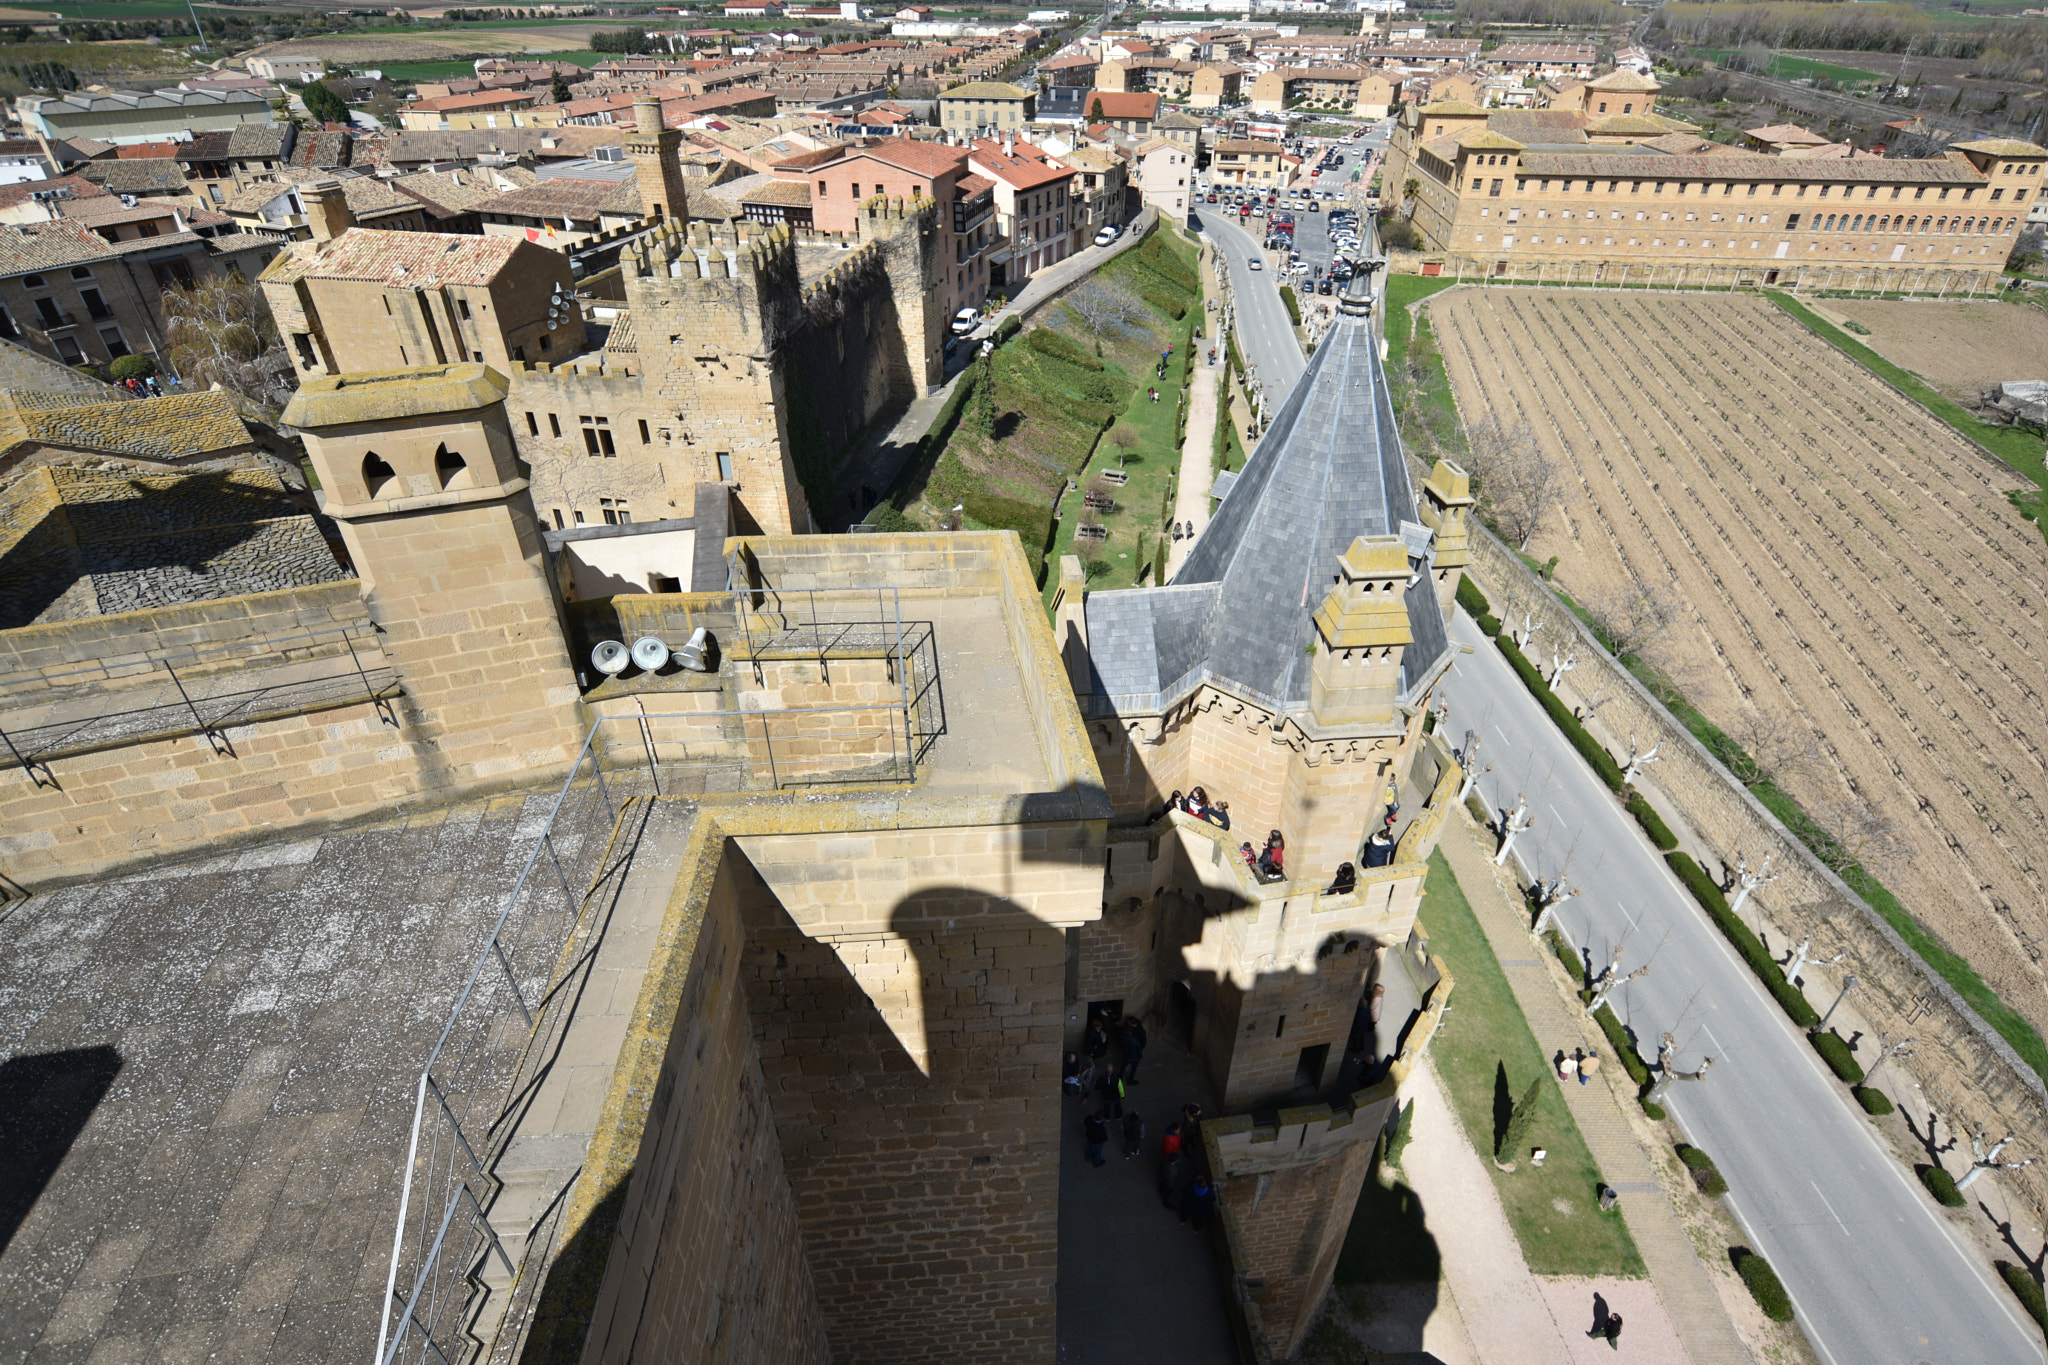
(1485, 1054)
(1060, 387)
(1789, 68)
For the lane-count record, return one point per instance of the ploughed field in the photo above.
(1834, 555)
(1960, 348)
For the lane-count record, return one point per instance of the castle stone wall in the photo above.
(708, 1252)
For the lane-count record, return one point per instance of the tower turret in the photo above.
(1361, 630)
(1446, 507)
(655, 163)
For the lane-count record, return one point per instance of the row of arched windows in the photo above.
(1871, 222)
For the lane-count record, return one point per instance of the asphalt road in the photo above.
(1265, 337)
(1876, 1275)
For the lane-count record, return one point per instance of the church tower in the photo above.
(419, 469)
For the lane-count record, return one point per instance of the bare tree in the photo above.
(1776, 746)
(1630, 615)
(1859, 833)
(220, 332)
(1513, 477)
(1108, 306)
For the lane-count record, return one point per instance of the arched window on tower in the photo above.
(451, 470)
(380, 480)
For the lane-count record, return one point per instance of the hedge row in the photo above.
(1652, 823)
(1048, 342)
(1873, 1101)
(1293, 304)
(1618, 1039)
(1764, 1284)
(1836, 1054)
(1705, 1173)
(1941, 1185)
(1491, 626)
(1164, 302)
(1007, 328)
(1589, 748)
(1574, 965)
(1746, 943)
(2027, 1289)
(1470, 598)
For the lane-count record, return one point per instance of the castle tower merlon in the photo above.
(1361, 629)
(1446, 509)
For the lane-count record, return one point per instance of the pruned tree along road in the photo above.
(1874, 1272)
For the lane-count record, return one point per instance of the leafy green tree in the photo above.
(1516, 1135)
(132, 367)
(983, 413)
(324, 104)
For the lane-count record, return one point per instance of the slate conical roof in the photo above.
(1239, 611)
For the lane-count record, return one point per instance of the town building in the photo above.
(1545, 59)
(1033, 213)
(983, 107)
(1350, 89)
(137, 116)
(281, 68)
(1242, 161)
(1127, 112)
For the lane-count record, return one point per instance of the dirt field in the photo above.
(1959, 348)
(435, 46)
(1835, 555)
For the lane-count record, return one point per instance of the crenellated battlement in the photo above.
(700, 250)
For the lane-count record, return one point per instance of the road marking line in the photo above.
(1831, 1209)
(1502, 733)
(1723, 1052)
(1627, 916)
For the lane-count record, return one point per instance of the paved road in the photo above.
(1875, 1273)
(1264, 334)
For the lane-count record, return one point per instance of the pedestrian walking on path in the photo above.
(1096, 1044)
(1169, 1163)
(1588, 1064)
(1613, 1331)
(1112, 1087)
(1134, 1134)
(1134, 1047)
(1094, 1132)
(1567, 1067)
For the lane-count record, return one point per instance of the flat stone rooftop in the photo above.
(208, 1082)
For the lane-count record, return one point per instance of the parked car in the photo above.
(1108, 234)
(964, 321)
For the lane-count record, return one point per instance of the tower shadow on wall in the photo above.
(46, 1101)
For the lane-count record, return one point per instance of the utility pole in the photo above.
(1988, 1161)
(1667, 1065)
(1822, 1026)
(197, 26)
(1885, 1052)
(1750, 881)
(1518, 820)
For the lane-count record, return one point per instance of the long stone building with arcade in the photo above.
(1600, 184)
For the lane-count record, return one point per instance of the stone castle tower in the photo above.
(1287, 669)
(418, 468)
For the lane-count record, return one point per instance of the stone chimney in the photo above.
(326, 207)
(1361, 632)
